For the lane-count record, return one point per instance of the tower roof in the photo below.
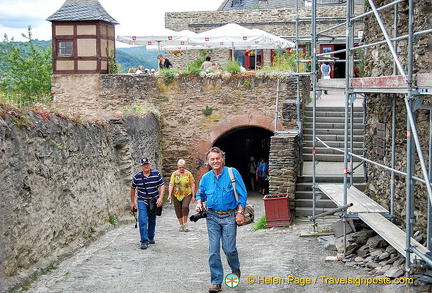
(81, 10)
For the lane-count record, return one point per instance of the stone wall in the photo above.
(64, 176)
(61, 181)
(378, 62)
(280, 22)
(283, 165)
(238, 101)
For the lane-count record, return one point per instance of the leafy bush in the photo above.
(194, 67)
(168, 75)
(233, 67)
(260, 223)
(359, 66)
(27, 79)
(113, 67)
(207, 111)
(285, 60)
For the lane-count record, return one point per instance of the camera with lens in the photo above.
(199, 215)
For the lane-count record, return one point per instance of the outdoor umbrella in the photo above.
(180, 43)
(273, 41)
(157, 37)
(231, 34)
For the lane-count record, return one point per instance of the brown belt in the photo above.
(223, 212)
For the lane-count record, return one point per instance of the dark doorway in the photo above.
(242, 143)
(339, 67)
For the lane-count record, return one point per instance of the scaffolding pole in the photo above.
(412, 100)
(298, 100)
(314, 85)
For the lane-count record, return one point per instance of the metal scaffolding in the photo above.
(404, 84)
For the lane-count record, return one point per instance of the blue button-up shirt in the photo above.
(219, 192)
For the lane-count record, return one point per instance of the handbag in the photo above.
(249, 212)
(154, 209)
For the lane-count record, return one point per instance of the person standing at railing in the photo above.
(164, 63)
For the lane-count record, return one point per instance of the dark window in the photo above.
(65, 48)
(237, 2)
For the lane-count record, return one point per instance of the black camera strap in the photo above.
(136, 219)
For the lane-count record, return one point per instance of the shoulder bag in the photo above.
(154, 209)
(249, 210)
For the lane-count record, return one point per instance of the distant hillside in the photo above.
(135, 56)
(4, 46)
(126, 57)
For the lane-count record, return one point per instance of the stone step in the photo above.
(330, 128)
(306, 211)
(304, 190)
(332, 109)
(333, 112)
(339, 119)
(324, 150)
(320, 131)
(328, 157)
(330, 125)
(332, 137)
(321, 203)
(335, 144)
(328, 178)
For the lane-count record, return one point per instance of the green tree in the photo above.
(27, 79)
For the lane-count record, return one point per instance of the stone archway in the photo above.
(233, 124)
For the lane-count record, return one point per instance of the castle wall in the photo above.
(280, 22)
(180, 104)
(379, 62)
(62, 181)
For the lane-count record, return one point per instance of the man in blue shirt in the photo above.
(224, 213)
(146, 184)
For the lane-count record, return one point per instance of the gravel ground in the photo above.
(273, 260)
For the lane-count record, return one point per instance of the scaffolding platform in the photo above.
(395, 236)
(386, 84)
(361, 202)
(373, 214)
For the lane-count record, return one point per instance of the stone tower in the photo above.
(83, 38)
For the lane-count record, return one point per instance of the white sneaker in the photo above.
(185, 229)
(181, 229)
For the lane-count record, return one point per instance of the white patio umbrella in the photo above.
(231, 34)
(185, 47)
(180, 43)
(159, 40)
(276, 42)
(157, 37)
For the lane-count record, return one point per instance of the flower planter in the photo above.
(277, 210)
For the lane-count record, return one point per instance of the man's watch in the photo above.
(240, 212)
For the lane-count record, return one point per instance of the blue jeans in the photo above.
(222, 227)
(147, 222)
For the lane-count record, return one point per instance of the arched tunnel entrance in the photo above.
(241, 143)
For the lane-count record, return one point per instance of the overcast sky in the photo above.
(136, 17)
